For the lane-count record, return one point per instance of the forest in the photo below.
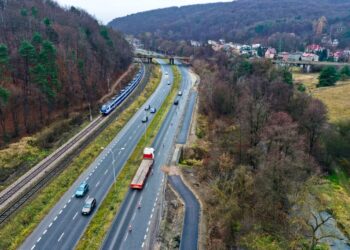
(53, 62)
(244, 21)
(263, 146)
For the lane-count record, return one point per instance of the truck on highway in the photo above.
(145, 167)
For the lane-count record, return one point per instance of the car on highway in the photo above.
(148, 107)
(176, 102)
(89, 206)
(166, 73)
(180, 93)
(144, 119)
(153, 110)
(168, 82)
(82, 190)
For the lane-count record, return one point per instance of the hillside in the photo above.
(53, 62)
(243, 20)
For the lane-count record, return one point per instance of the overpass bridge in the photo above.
(307, 65)
(148, 57)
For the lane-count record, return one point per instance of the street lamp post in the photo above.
(115, 187)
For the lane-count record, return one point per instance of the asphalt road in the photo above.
(189, 236)
(182, 137)
(142, 219)
(64, 225)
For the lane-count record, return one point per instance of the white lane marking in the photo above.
(38, 239)
(151, 215)
(133, 217)
(106, 171)
(60, 237)
(93, 171)
(69, 200)
(147, 229)
(75, 215)
(119, 152)
(98, 183)
(60, 212)
(32, 247)
(90, 174)
(153, 208)
(157, 198)
(64, 206)
(145, 236)
(149, 222)
(87, 178)
(45, 232)
(55, 218)
(122, 148)
(50, 224)
(143, 243)
(87, 198)
(72, 195)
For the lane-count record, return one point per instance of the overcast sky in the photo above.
(106, 10)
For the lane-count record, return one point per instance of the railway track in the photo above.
(98, 125)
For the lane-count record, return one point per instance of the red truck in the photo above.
(144, 169)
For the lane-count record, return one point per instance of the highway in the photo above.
(64, 224)
(143, 221)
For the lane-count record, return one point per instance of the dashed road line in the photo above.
(55, 218)
(45, 232)
(98, 183)
(60, 237)
(69, 200)
(50, 225)
(75, 215)
(60, 211)
(64, 206)
(38, 239)
(32, 247)
(106, 171)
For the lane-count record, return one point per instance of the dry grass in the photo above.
(336, 98)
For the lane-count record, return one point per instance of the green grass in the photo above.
(103, 218)
(18, 228)
(336, 98)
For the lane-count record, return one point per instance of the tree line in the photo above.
(262, 143)
(53, 62)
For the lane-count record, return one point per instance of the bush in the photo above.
(345, 73)
(328, 77)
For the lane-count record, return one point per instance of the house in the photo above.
(256, 45)
(295, 56)
(195, 43)
(335, 42)
(283, 56)
(222, 41)
(270, 53)
(314, 48)
(310, 57)
(337, 55)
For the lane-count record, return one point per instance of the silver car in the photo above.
(89, 206)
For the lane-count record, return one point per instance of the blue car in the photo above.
(82, 190)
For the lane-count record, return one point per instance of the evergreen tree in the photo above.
(328, 76)
(345, 73)
(27, 52)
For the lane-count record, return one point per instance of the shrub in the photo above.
(328, 77)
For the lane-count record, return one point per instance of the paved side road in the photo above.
(189, 237)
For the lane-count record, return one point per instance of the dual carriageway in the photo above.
(64, 225)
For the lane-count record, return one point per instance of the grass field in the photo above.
(103, 218)
(337, 98)
(17, 228)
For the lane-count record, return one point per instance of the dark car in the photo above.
(176, 102)
(153, 110)
(89, 206)
(144, 119)
(148, 107)
(82, 190)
